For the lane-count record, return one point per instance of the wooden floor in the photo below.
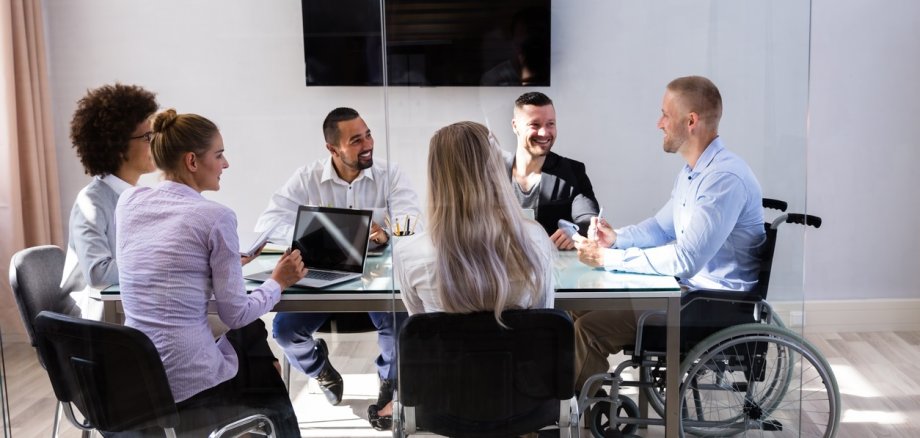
(878, 374)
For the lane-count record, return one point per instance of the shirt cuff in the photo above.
(613, 258)
(271, 286)
(623, 241)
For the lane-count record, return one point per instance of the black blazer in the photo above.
(565, 193)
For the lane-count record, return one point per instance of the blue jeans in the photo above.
(294, 333)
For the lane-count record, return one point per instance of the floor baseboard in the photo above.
(851, 315)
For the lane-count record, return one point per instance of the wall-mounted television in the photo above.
(429, 43)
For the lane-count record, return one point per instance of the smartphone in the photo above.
(568, 228)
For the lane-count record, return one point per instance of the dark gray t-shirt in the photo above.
(529, 199)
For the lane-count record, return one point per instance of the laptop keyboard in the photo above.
(324, 275)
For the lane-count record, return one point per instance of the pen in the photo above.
(600, 215)
(407, 224)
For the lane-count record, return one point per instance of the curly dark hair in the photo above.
(103, 123)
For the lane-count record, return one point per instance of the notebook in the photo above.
(250, 241)
(333, 243)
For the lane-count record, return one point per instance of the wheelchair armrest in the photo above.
(721, 295)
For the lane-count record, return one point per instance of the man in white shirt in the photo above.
(349, 178)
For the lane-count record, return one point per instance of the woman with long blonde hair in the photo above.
(479, 253)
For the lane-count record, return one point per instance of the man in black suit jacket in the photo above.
(554, 186)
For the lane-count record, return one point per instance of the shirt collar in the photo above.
(178, 188)
(329, 173)
(117, 184)
(706, 158)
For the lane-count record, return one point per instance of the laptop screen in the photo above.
(332, 238)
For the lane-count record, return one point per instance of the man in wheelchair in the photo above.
(740, 369)
(709, 234)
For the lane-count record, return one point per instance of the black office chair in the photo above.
(467, 376)
(114, 376)
(35, 277)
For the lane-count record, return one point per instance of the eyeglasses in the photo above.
(147, 136)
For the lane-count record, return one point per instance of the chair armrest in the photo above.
(68, 412)
(721, 295)
(252, 423)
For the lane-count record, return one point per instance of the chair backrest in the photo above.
(111, 373)
(766, 259)
(35, 277)
(466, 375)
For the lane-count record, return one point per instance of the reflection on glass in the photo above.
(332, 239)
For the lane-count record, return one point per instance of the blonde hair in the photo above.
(476, 225)
(698, 94)
(176, 134)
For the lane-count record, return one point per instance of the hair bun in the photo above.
(164, 120)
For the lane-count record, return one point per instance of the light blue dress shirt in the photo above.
(709, 235)
(92, 231)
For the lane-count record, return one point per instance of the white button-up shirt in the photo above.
(376, 188)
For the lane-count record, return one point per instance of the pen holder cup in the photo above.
(402, 226)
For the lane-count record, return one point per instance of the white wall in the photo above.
(863, 149)
(240, 63)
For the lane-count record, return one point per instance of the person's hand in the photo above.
(590, 253)
(602, 232)
(562, 241)
(244, 260)
(289, 269)
(378, 234)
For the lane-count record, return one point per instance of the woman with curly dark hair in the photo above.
(111, 133)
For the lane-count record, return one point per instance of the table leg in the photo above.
(672, 374)
(112, 312)
(108, 311)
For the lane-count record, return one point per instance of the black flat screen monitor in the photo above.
(429, 43)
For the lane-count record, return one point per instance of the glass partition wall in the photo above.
(260, 73)
(610, 63)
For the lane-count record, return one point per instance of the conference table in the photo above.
(578, 287)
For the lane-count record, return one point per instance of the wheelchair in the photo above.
(743, 373)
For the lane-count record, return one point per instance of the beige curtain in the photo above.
(29, 199)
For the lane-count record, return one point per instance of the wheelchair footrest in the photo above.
(771, 426)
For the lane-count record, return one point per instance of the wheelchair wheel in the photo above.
(655, 392)
(601, 422)
(758, 380)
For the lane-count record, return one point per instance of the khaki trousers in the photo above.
(598, 334)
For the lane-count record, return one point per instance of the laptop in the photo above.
(333, 243)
